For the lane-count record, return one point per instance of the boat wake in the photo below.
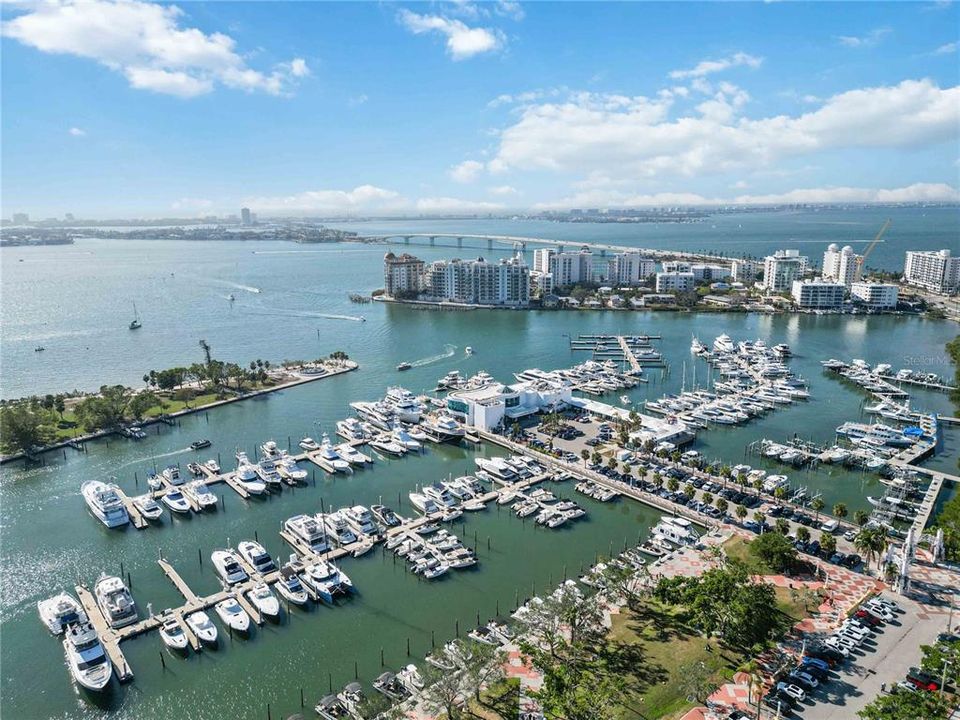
(281, 312)
(238, 286)
(448, 352)
(181, 451)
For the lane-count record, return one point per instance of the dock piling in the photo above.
(356, 670)
(163, 662)
(381, 657)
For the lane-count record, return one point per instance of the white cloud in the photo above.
(362, 199)
(707, 67)
(510, 9)
(947, 49)
(503, 190)
(77, 132)
(455, 205)
(463, 41)
(635, 137)
(871, 39)
(357, 100)
(467, 171)
(919, 192)
(146, 43)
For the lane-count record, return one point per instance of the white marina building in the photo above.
(934, 270)
(876, 296)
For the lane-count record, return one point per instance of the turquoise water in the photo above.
(76, 302)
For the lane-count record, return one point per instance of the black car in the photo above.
(817, 673)
(852, 560)
(825, 653)
(779, 702)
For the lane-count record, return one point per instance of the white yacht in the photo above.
(350, 429)
(497, 468)
(723, 344)
(270, 450)
(442, 428)
(172, 634)
(266, 470)
(309, 444)
(440, 495)
(385, 444)
(378, 414)
(404, 404)
(338, 528)
(227, 566)
(327, 581)
(289, 585)
(148, 507)
(247, 477)
(353, 456)
(232, 615)
(306, 529)
(175, 500)
(200, 494)
(258, 557)
(263, 599)
(201, 625)
(289, 470)
(424, 504)
(385, 516)
(115, 601)
(402, 437)
(360, 520)
(60, 611)
(331, 456)
(172, 475)
(213, 466)
(676, 529)
(104, 503)
(89, 665)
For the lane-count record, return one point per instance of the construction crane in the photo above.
(863, 258)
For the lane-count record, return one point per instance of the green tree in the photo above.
(59, 405)
(840, 511)
(723, 505)
(740, 511)
(22, 428)
(803, 534)
(104, 410)
(871, 542)
(906, 706)
(860, 517)
(585, 456)
(828, 544)
(782, 526)
(140, 403)
(482, 665)
(943, 655)
(817, 504)
(689, 490)
(672, 484)
(707, 498)
(774, 550)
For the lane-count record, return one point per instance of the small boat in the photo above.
(200, 494)
(264, 600)
(385, 445)
(89, 665)
(115, 601)
(387, 683)
(201, 625)
(172, 633)
(148, 507)
(135, 324)
(446, 658)
(176, 501)
(154, 482)
(39, 348)
(200, 444)
(60, 611)
(468, 350)
(232, 615)
(411, 679)
(330, 707)
(309, 444)
(104, 502)
(289, 585)
(227, 566)
(291, 473)
(213, 466)
(171, 474)
(230, 297)
(625, 399)
(404, 366)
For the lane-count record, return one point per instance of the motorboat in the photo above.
(402, 437)
(172, 634)
(404, 366)
(497, 468)
(247, 477)
(350, 430)
(171, 474)
(289, 585)
(440, 495)
(309, 444)
(353, 456)
(332, 458)
(232, 615)
(227, 566)
(378, 414)
(388, 684)
(258, 557)
(404, 404)
(330, 707)
(60, 611)
(337, 526)
(442, 428)
(200, 494)
(385, 516)
(423, 503)
(292, 473)
(327, 581)
(266, 470)
(148, 507)
(200, 444)
(385, 444)
(201, 625)
(115, 601)
(446, 658)
(213, 466)
(305, 529)
(104, 502)
(676, 530)
(270, 450)
(361, 520)
(88, 662)
(411, 679)
(263, 599)
(176, 501)
(483, 634)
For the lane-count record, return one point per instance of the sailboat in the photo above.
(135, 323)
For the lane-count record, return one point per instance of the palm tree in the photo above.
(871, 542)
(657, 480)
(722, 506)
(760, 516)
(758, 485)
(840, 510)
(783, 527)
(803, 534)
(780, 493)
(585, 454)
(707, 498)
(741, 512)
(860, 517)
(672, 484)
(817, 504)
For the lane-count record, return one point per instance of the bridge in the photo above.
(521, 241)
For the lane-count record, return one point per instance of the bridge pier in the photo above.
(406, 239)
(433, 240)
(489, 243)
(459, 242)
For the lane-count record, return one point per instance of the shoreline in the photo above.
(78, 442)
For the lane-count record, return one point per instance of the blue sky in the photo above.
(129, 109)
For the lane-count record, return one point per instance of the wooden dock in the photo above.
(628, 355)
(108, 636)
(178, 582)
(136, 518)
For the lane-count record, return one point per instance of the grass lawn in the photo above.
(739, 549)
(498, 702)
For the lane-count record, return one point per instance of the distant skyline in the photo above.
(136, 109)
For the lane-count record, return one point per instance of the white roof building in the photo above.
(876, 296)
(934, 270)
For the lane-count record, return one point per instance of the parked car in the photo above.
(923, 680)
(822, 652)
(879, 610)
(851, 561)
(803, 679)
(781, 704)
(868, 618)
(792, 690)
(815, 661)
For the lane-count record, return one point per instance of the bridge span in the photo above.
(561, 245)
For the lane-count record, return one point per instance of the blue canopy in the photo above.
(913, 431)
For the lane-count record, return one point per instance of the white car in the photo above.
(849, 634)
(842, 645)
(887, 603)
(855, 630)
(792, 690)
(904, 686)
(879, 610)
